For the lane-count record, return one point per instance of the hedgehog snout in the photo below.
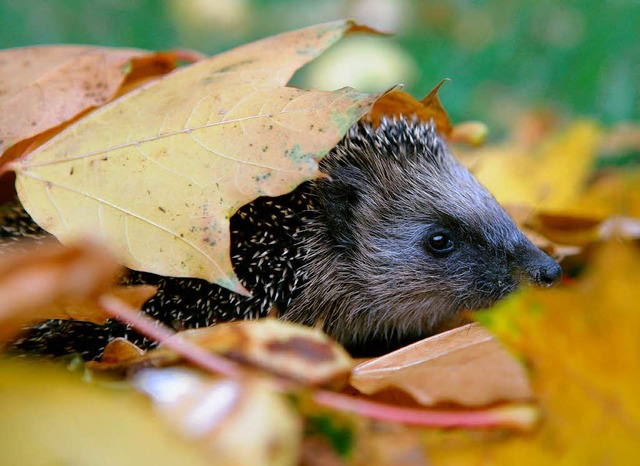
(546, 274)
(541, 270)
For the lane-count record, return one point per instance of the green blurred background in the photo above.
(504, 57)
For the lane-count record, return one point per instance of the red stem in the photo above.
(522, 416)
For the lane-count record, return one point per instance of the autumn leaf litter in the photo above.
(577, 343)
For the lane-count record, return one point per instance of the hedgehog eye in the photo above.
(440, 243)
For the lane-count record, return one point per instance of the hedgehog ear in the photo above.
(339, 196)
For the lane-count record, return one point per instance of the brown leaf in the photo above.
(119, 350)
(526, 219)
(396, 103)
(30, 282)
(384, 444)
(89, 311)
(317, 451)
(466, 366)
(42, 87)
(289, 350)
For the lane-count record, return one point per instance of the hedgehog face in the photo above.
(412, 271)
(406, 237)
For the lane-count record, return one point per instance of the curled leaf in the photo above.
(292, 351)
(466, 366)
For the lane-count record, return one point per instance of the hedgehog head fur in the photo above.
(406, 237)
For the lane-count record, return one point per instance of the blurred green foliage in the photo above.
(580, 57)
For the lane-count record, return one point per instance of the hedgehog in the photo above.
(396, 239)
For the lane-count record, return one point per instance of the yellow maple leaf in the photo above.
(550, 176)
(158, 173)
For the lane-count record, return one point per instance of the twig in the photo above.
(162, 334)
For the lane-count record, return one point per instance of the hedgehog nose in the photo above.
(547, 274)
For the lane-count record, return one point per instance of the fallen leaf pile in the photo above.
(132, 164)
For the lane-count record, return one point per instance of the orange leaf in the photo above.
(117, 351)
(89, 311)
(396, 103)
(32, 281)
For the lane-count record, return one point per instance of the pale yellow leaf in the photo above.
(158, 173)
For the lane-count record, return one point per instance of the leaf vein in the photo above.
(127, 212)
(155, 138)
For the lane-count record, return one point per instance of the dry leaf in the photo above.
(396, 103)
(288, 350)
(527, 221)
(466, 366)
(579, 230)
(119, 350)
(32, 282)
(612, 192)
(237, 423)
(89, 311)
(49, 417)
(158, 173)
(45, 86)
(386, 444)
(318, 452)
